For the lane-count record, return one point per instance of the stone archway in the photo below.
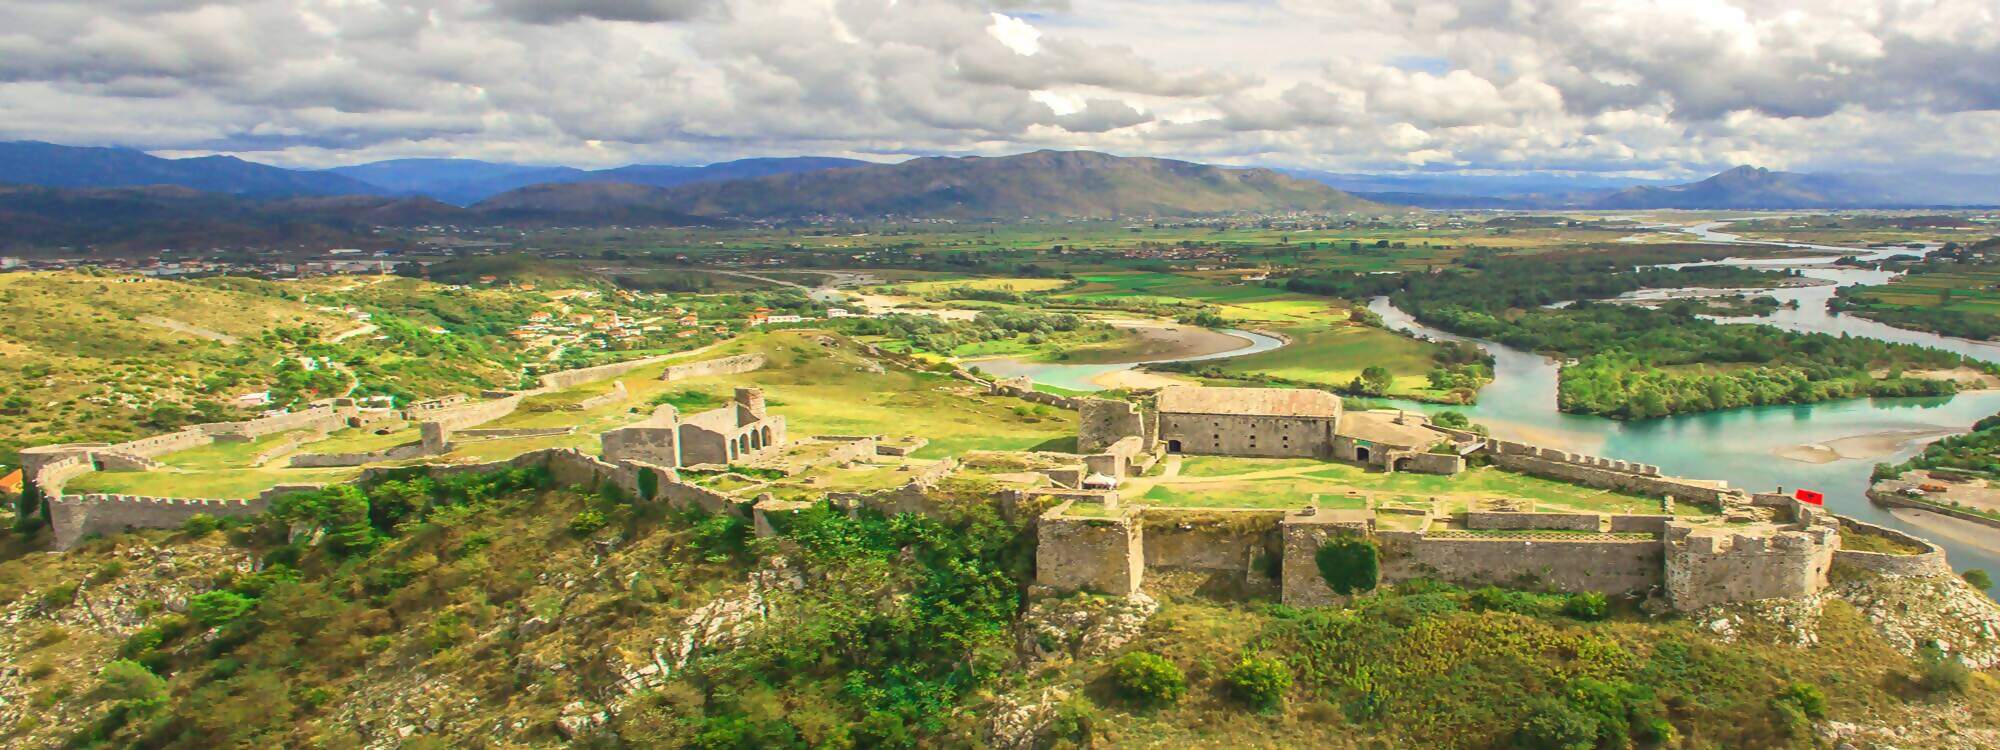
(766, 429)
(1361, 454)
(1173, 446)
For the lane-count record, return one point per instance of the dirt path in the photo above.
(362, 331)
(191, 330)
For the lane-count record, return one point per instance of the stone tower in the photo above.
(751, 402)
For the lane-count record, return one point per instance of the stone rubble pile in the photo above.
(1938, 611)
(1080, 627)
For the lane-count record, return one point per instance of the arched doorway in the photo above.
(1361, 454)
(1173, 446)
(767, 434)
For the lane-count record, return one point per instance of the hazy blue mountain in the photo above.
(468, 181)
(1755, 187)
(51, 165)
(456, 181)
(1470, 186)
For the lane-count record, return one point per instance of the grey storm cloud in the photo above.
(645, 11)
(1616, 85)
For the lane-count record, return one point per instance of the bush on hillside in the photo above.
(1148, 679)
(1260, 682)
(217, 608)
(1587, 605)
(1979, 579)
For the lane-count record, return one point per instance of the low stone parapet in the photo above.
(1491, 520)
(1930, 561)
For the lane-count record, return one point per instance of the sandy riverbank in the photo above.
(1155, 341)
(1138, 380)
(1984, 538)
(1869, 446)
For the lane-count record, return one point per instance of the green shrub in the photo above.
(1148, 679)
(133, 684)
(1554, 724)
(1260, 682)
(217, 608)
(58, 596)
(1979, 579)
(1587, 605)
(649, 484)
(200, 525)
(1349, 564)
(586, 522)
(1942, 675)
(160, 630)
(104, 573)
(1807, 697)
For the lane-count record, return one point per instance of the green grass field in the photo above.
(1971, 290)
(215, 484)
(1231, 482)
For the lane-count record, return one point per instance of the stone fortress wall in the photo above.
(1692, 566)
(1106, 549)
(735, 365)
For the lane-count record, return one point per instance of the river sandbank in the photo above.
(1857, 447)
(1156, 341)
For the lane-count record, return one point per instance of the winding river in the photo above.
(1744, 446)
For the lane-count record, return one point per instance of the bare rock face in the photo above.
(1020, 721)
(1920, 726)
(1796, 621)
(1081, 626)
(714, 626)
(1916, 613)
(580, 718)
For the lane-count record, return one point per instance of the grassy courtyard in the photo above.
(1230, 482)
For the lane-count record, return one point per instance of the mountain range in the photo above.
(1742, 187)
(66, 195)
(1038, 185)
(465, 181)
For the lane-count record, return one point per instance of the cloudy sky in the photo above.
(1636, 87)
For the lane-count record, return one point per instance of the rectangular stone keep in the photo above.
(1104, 555)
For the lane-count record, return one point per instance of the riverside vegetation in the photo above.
(1635, 362)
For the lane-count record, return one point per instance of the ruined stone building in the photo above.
(1271, 422)
(1295, 423)
(741, 430)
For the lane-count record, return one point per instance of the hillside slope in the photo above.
(504, 609)
(146, 219)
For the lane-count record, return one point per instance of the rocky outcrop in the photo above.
(1083, 626)
(1916, 613)
(714, 626)
(1021, 721)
